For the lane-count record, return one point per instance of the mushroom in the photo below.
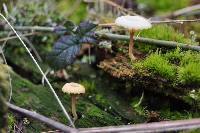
(133, 24)
(74, 89)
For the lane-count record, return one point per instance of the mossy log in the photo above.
(91, 112)
(120, 68)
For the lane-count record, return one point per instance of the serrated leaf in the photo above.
(67, 47)
(89, 38)
(64, 52)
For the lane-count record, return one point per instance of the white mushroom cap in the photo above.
(73, 88)
(133, 22)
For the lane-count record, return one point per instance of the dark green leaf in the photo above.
(64, 52)
(67, 47)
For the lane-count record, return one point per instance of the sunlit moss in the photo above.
(159, 65)
(179, 66)
(189, 74)
(162, 32)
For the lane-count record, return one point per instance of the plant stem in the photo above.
(74, 107)
(131, 45)
(149, 41)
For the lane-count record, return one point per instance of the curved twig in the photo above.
(41, 118)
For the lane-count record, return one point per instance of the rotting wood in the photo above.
(41, 118)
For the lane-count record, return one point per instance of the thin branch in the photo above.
(32, 28)
(156, 22)
(38, 66)
(182, 11)
(51, 29)
(149, 41)
(41, 118)
(175, 21)
(31, 46)
(15, 37)
(138, 39)
(154, 127)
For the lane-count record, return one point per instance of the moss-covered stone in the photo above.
(4, 85)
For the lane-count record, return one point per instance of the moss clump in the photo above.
(180, 66)
(157, 64)
(160, 6)
(189, 74)
(165, 32)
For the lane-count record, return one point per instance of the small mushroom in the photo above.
(74, 89)
(133, 24)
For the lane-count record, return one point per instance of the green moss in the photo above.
(165, 32)
(189, 74)
(190, 57)
(174, 56)
(162, 32)
(94, 117)
(159, 65)
(193, 98)
(161, 6)
(90, 86)
(175, 115)
(180, 66)
(4, 85)
(11, 122)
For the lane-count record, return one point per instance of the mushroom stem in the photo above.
(131, 44)
(74, 107)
